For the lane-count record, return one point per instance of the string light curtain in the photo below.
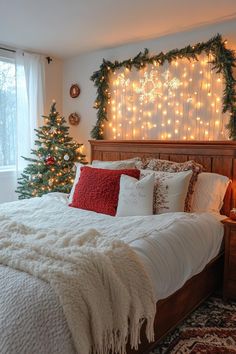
(177, 101)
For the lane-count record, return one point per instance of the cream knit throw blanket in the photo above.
(103, 289)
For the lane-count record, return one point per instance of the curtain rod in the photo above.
(49, 59)
(8, 50)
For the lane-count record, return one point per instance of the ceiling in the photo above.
(65, 28)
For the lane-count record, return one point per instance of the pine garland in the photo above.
(223, 62)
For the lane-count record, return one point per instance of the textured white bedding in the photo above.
(172, 254)
(182, 250)
(173, 247)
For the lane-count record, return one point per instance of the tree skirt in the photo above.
(211, 329)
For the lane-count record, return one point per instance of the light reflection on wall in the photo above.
(177, 101)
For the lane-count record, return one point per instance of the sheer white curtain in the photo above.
(30, 82)
(30, 90)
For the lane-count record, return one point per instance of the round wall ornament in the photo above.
(74, 118)
(74, 91)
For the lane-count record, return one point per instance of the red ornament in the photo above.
(50, 160)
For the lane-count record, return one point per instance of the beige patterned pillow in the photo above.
(171, 166)
(170, 190)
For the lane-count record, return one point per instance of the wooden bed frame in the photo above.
(215, 156)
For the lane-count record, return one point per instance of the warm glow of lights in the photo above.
(181, 100)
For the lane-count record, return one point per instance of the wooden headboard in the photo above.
(215, 156)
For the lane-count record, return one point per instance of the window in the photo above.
(7, 111)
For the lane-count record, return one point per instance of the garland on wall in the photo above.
(223, 62)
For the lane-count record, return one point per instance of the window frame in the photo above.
(8, 57)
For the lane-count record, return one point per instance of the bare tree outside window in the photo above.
(7, 113)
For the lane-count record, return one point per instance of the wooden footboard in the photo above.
(172, 310)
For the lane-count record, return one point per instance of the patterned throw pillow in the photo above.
(170, 190)
(171, 166)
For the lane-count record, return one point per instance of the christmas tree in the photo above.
(52, 169)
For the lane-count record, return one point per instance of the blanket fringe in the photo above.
(112, 343)
(116, 342)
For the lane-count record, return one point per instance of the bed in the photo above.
(215, 156)
(33, 319)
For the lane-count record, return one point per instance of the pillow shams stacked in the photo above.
(171, 166)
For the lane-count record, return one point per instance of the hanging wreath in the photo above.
(223, 62)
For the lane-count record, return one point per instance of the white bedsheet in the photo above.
(173, 247)
(177, 253)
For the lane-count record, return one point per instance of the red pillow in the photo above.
(98, 189)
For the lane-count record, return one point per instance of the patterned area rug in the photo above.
(211, 329)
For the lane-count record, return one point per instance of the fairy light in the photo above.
(179, 101)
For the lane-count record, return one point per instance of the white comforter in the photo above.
(173, 247)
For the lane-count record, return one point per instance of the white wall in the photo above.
(80, 68)
(53, 84)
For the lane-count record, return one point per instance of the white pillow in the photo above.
(135, 196)
(76, 180)
(170, 190)
(115, 165)
(209, 192)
